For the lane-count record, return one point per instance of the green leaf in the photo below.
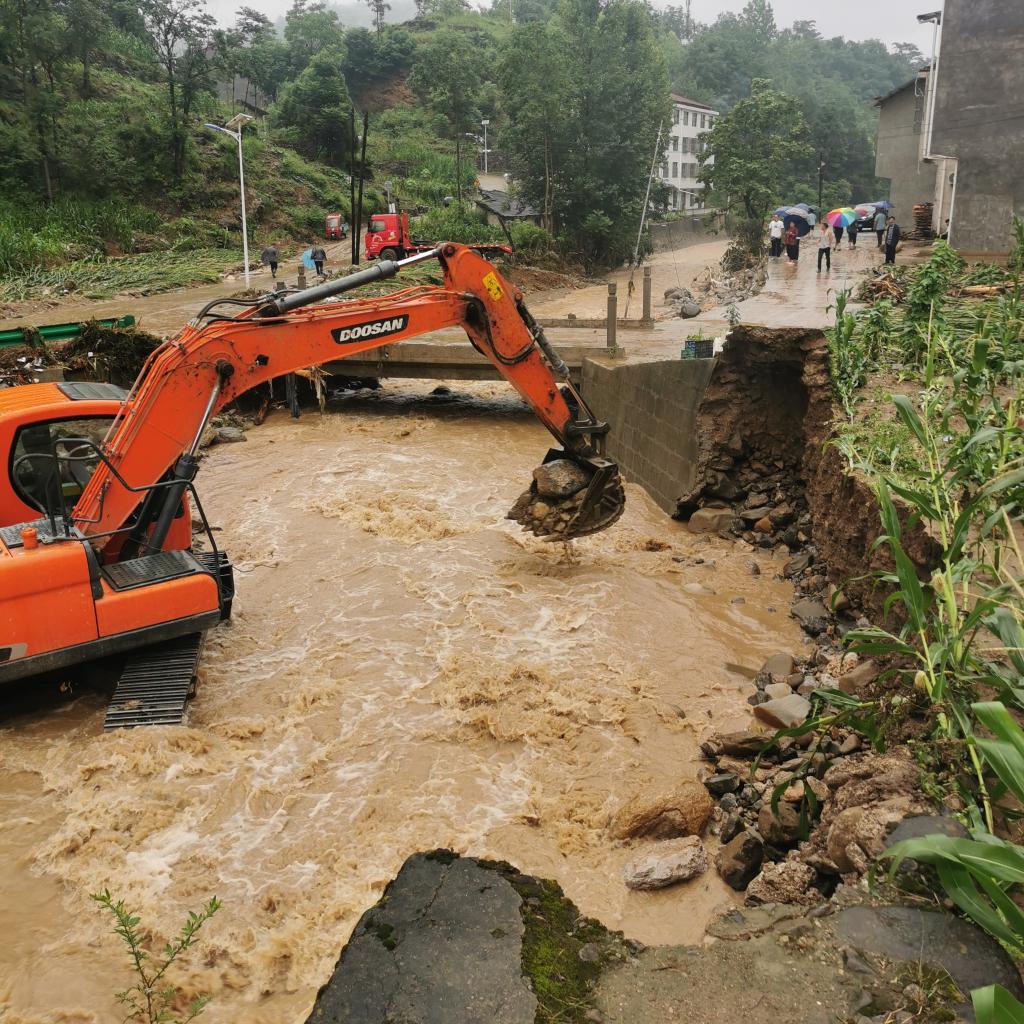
(959, 884)
(994, 1005)
(908, 414)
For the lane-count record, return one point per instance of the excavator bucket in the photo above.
(570, 497)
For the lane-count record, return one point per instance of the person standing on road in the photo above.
(269, 258)
(838, 232)
(318, 256)
(826, 239)
(880, 226)
(851, 234)
(775, 230)
(892, 239)
(792, 244)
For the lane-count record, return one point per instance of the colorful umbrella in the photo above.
(796, 215)
(843, 217)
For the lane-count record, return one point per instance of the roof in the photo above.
(683, 101)
(504, 205)
(922, 73)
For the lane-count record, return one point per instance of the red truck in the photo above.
(389, 238)
(334, 226)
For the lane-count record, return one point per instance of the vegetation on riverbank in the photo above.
(951, 456)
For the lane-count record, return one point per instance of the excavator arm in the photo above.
(149, 456)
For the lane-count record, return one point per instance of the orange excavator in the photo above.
(109, 571)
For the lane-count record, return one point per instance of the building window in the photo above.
(919, 98)
(686, 117)
(675, 116)
(711, 121)
(703, 121)
(675, 144)
(675, 169)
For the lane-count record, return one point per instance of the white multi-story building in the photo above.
(682, 154)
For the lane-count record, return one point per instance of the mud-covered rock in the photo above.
(784, 712)
(780, 827)
(857, 835)
(740, 860)
(682, 810)
(560, 478)
(657, 865)
(785, 882)
(710, 520)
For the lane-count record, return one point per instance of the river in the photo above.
(404, 670)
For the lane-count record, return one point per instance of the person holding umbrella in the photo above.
(880, 225)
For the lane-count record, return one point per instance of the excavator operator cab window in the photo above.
(36, 476)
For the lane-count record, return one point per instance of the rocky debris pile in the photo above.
(717, 287)
(797, 815)
(551, 507)
(682, 302)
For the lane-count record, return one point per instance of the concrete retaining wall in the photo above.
(677, 234)
(652, 409)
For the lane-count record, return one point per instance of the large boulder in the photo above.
(680, 810)
(658, 865)
(561, 478)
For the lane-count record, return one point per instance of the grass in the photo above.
(99, 277)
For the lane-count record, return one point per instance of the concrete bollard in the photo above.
(301, 281)
(647, 293)
(613, 307)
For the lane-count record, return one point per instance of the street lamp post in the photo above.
(234, 129)
(485, 122)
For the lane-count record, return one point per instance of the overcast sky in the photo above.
(893, 21)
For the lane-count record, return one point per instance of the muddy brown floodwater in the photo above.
(404, 670)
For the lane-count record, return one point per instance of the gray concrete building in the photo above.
(977, 120)
(899, 154)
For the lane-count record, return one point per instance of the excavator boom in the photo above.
(209, 364)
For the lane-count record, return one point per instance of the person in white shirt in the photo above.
(775, 229)
(826, 239)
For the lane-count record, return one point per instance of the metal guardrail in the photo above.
(58, 332)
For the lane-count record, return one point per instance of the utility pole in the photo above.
(237, 123)
(485, 122)
(821, 178)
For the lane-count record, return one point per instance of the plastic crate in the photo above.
(699, 348)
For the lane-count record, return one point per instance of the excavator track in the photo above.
(155, 684)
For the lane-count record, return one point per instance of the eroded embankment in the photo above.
(763, 454)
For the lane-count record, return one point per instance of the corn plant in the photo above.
(848, 358)
(148, 1001)
(983, 874)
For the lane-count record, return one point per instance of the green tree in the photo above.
(604, 107)
(755, 147)
(180, 33)
(310, 28)
(314, 111)
(536, 87)
(447, 76)
(379, 9)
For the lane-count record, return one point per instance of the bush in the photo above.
(456, 224)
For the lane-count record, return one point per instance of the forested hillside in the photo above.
(102, 105)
